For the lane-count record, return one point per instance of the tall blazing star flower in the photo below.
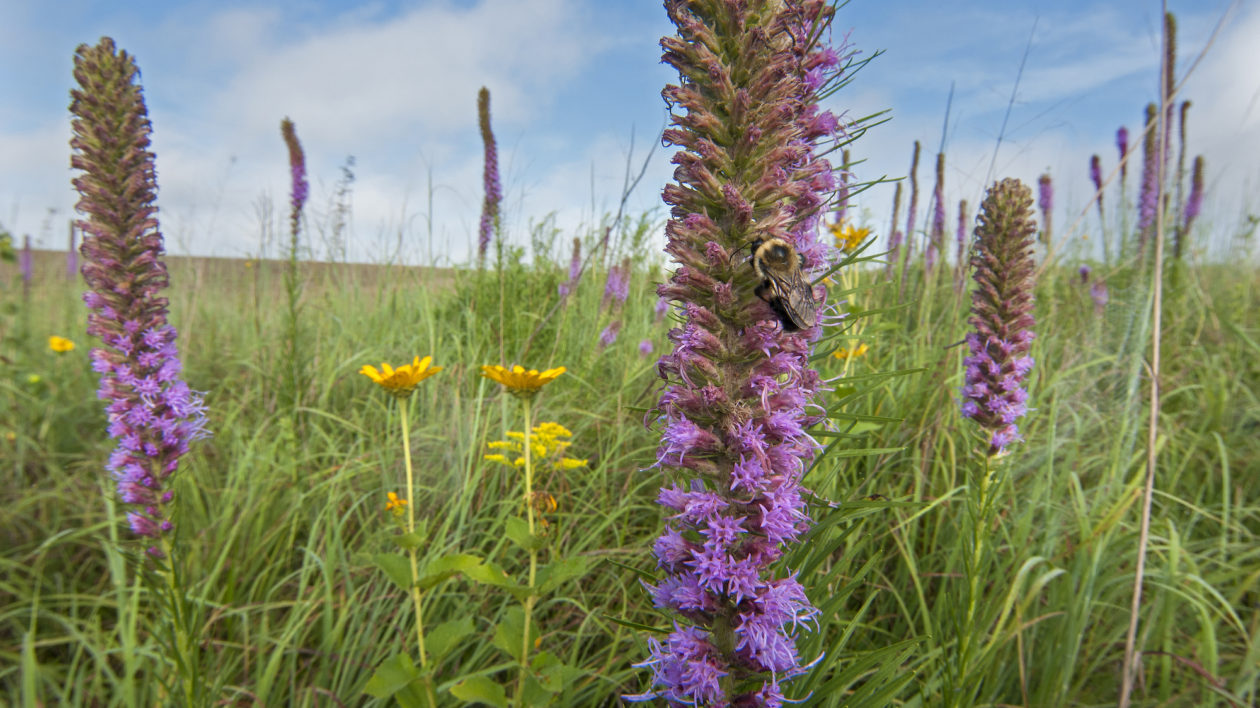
(936, 243)
(1045, 201)
(1148, 197)
(575, 271)
(152, 413)
(299, 189)
(490, 177)
(1001, 313)
(1193, 205)
(733, 411)
(1122, 147)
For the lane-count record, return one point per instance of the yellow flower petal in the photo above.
(402, 381)
(518, 381)
(60, 345)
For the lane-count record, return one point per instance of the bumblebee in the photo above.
(783, 286)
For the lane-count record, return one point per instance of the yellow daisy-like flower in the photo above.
(851, 353)
(520, 382)
(402, 381)
(61, 345)
(395, 504)
(848, 237)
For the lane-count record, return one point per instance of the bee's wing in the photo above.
(794, 297)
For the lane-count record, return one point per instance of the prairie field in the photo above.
(643, 459)
(282, 508)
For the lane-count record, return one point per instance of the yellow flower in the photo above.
(851, 353)
(545, 445)
(848, 237)
(33, 379)
(552, 430)
(520, 382)
(395, 504)
(61, 345)
(402, 381)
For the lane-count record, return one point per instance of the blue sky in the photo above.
(394, 84)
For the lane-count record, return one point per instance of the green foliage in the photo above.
(282, 538)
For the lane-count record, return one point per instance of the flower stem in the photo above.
(184, 655)
(527, 404)
(980, 516)
(416, 595)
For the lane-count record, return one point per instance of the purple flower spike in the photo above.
(1045, 200)
(617, 287)
(299, 189)
(733, 414)
(609, 335)
(645, 348)
(575, 270)
(1001, 313)
(1122, 145)
(152, 413)
(490, 178)
(1193, 204)
(1148, 197)
(1098, 293)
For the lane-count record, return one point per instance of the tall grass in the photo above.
(282, 535)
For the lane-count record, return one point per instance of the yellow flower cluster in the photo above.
(60, 345)
(852, 352)
(547, 445)
(848, 237)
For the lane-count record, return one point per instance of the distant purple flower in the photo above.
(733, 413)
(661, 309)
(490, 178)
(617, 287)
(609, 334)
(1098, 292)
(575, 270)
(298, 188)
(1148, 197)
(1122, 145)
(645, 348)
(936, 241)
(1001, 313)
(152, 413)
(1045, 201)
(912, 209)
(1084, 272)
(26, 262)
(1195, 202)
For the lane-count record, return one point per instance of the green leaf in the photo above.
(553, 674)
(440, 569)
(443, 637)
(509, 634)
(487, 573)
(408, 541)
(480, 688)
(396, 567)
(517, 530)
(393, 677)
(558, 572)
